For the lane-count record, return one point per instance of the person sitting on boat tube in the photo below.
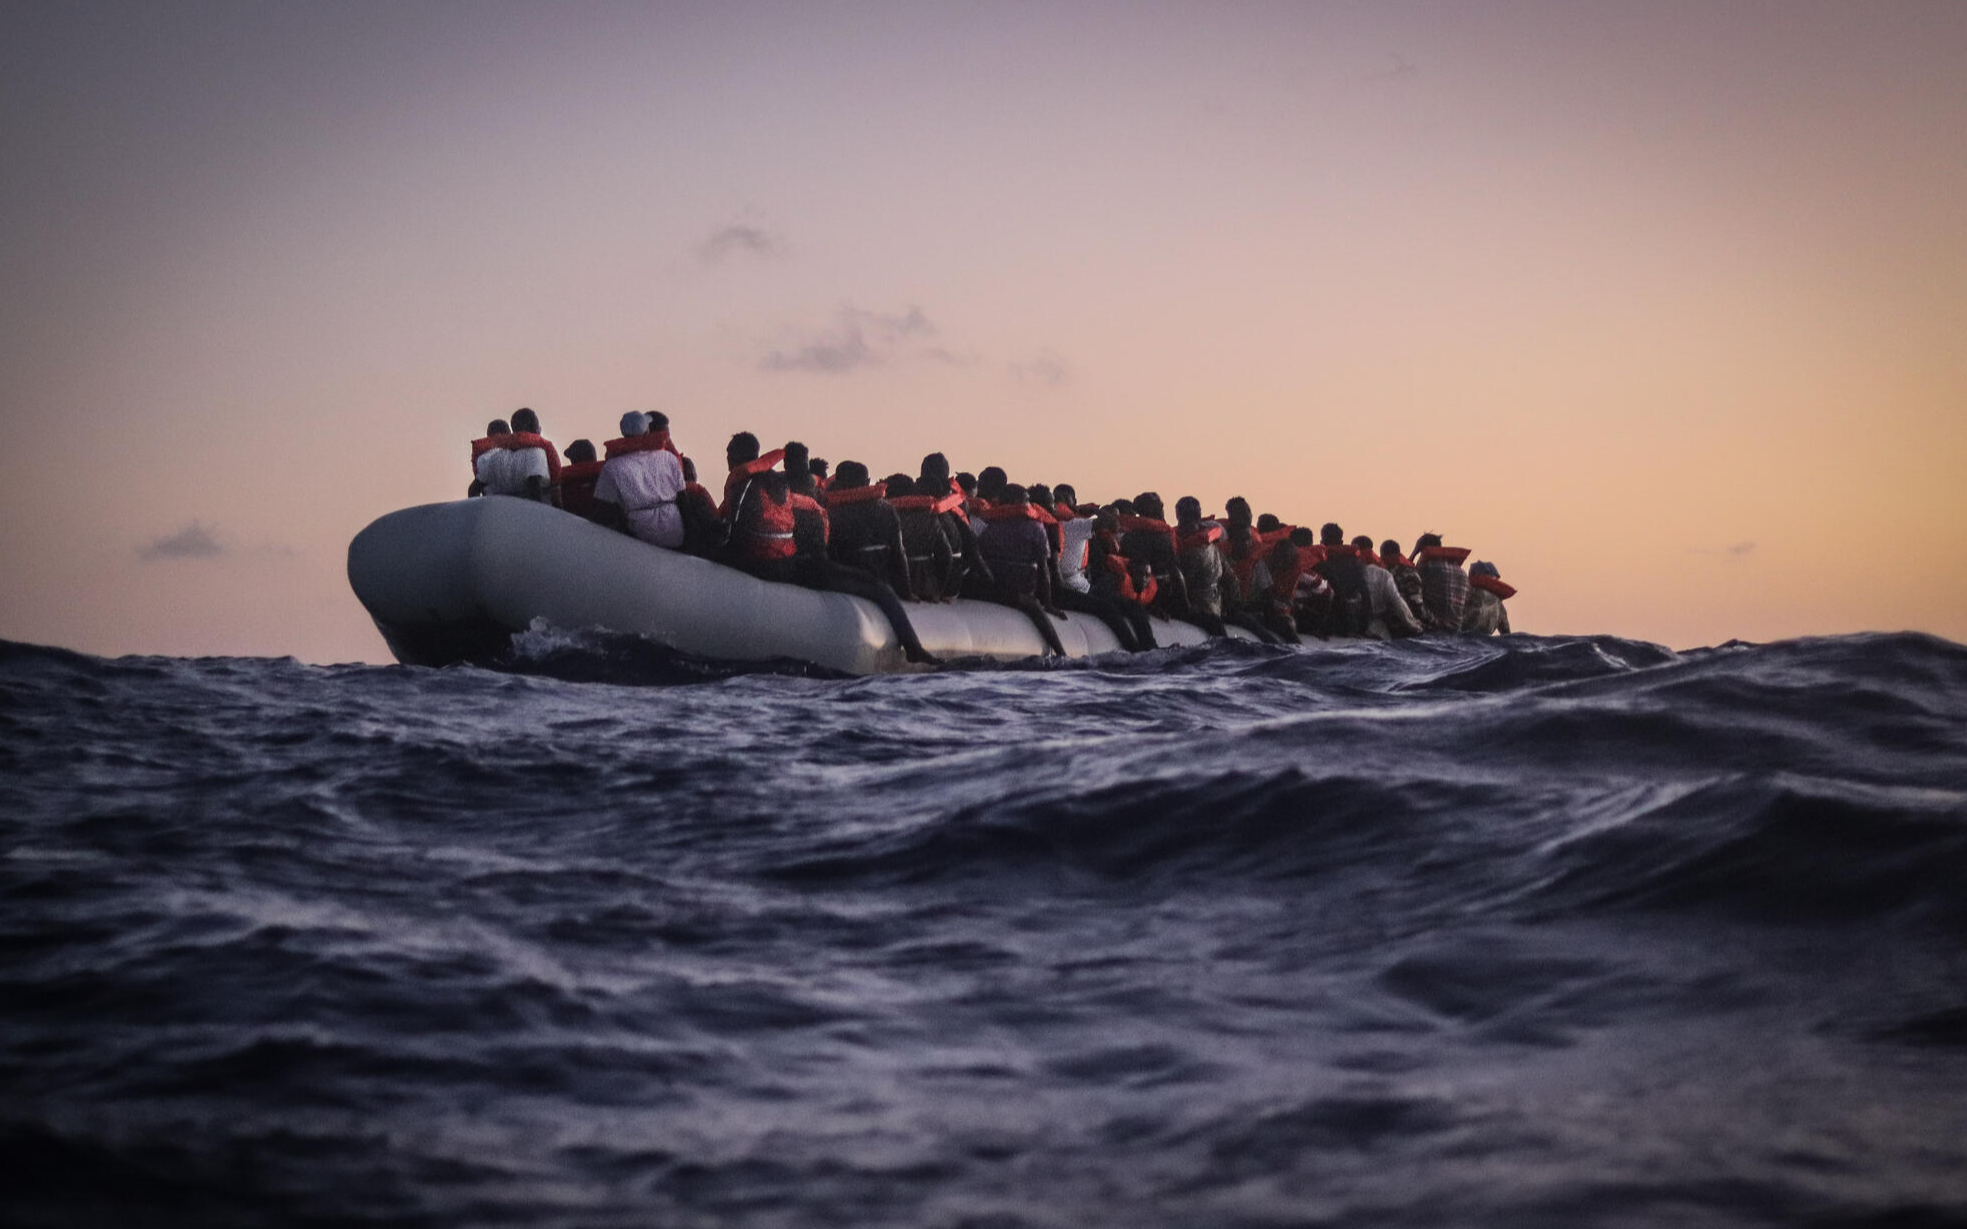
(639, 483)
(925, 541)
(579, 473)
(703, 531)
(479, 447)
(1484, 615)
(764, 542)
(1444, 586)
(866, 531)
(1387, 615)
(520, 462)
(1019, 553)
(741, 454)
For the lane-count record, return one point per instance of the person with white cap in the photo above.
(641, 480)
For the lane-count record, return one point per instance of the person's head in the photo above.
(1236, 510)
(991, 482)
(818, 467)
(580, 451)
(898, 485)
(525, 420)
(1040, 494)
(797, 467)
(1426, 540)
(852, 474)
(743, 447)
(498, 426)
(935, 471)
(1147, 503)
(1268, 523)
(1011, 494)
(1363, 542)
(773, 483)
(1188, 510)
(1331, 535)
(1124, 507)
(1107, 519)
(1063, 493)
(634, 423)
(1482, 567)
(658, 421)
(966, 482)
(1300, 537)
(689, 470)
(1389, 549)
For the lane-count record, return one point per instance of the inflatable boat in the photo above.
(452, 582)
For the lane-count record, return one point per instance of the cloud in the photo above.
(194, 541)
(1734, 552)
(739, 237)
(1049, 369)
(1399, 70)
(856, 338)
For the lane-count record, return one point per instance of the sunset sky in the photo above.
(1662, 307)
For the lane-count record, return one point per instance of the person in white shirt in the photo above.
(643, 485)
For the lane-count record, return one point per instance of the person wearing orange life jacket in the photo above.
(1201, 564)
(1299, 596)
(1485, 615)
(579, 471)
(479, 447)
(1070, 535)
(1351, 609)
(640, 482)
(703, 531)
(531, 467)
(1147, 539)
(925, 540)
(1388, 617)
(1020, 556)
(1406, 578)
(741, 454)
(764, 542)
(865, 531)
(818, 467)
(970, 574)
(809, 505)
(1126, 587)
(1444, 586)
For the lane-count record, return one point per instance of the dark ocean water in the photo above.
(1528, 932)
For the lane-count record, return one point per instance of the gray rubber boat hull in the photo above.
(452, 582)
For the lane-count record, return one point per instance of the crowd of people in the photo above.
(934, 536)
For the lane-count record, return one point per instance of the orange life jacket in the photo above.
(1203, 536)
(648, 441)
(806, 503)
(513, 441)
(837, 496)
(1493, 584)
(742, 473)
(929, 503)
(1448, 554)
(1398, 561)
(766, 533)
